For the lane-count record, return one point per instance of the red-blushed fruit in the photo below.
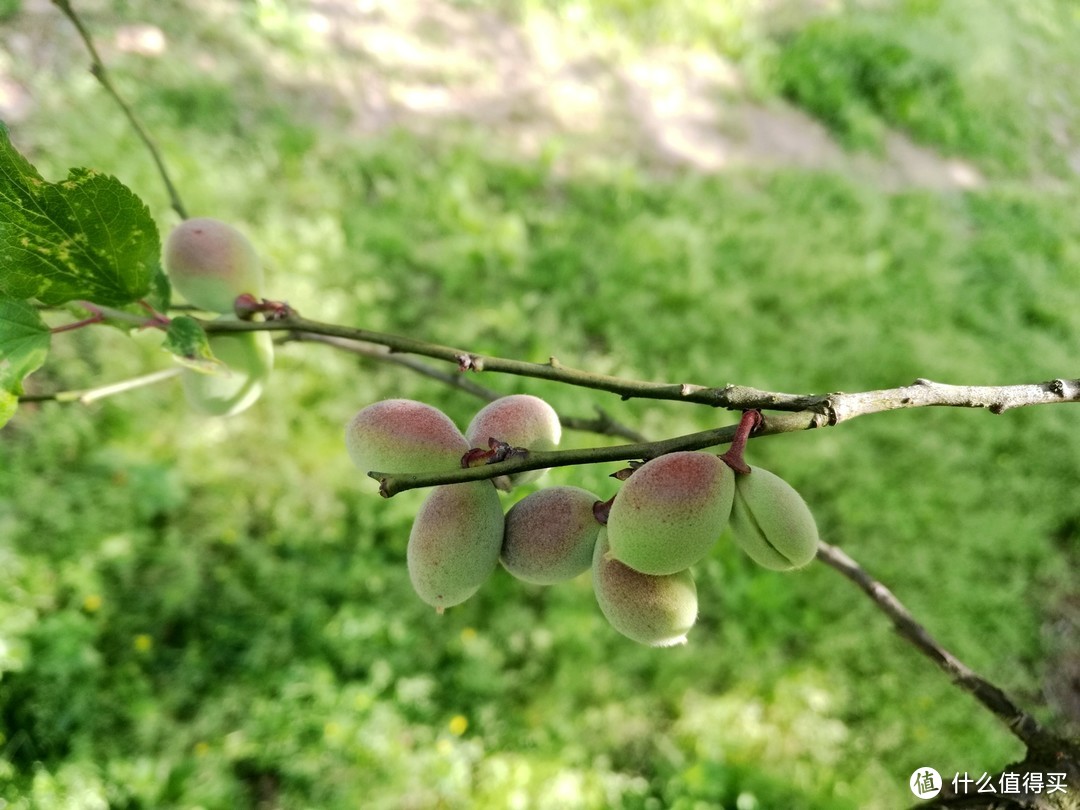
(670, 511)
(248, 359)
(520, 420)
(550, 535)
(771, 522)
(455, 541)
(210, 263)
(654, 610)
(404, 436)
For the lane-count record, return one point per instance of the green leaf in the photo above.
(187, 340)
(24, 345)
(160, 295)
(87, 237)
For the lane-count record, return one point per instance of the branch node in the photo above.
(1057, 387)
(476, 457)
(469, 362)
(998, 408)
(831, 416)
(553, 361)
(922, 381)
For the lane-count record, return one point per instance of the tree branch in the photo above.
(391, 483)
(87, 395)
(805, 411)
(97, 68)
(603, 424)
(831, 408)
(1019, 722)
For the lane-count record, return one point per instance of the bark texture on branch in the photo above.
(832, 408)
(795, 412)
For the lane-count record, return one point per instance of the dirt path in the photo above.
(423, 62)
(371, 65)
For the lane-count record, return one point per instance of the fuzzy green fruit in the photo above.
(654, 610)
(550, 535)
(404, 436)
(670, 511)
(771, 522)
(455, 541)
(248, 358)
(210, 263)
(519, 420)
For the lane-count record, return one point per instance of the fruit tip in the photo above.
(673, 642)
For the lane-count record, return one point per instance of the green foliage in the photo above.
(187, 340)
(87, 237)
(949, 74)
(24, 345)
(203, 614)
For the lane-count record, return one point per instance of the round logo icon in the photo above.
(925, 783)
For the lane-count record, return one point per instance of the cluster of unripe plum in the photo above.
(640, 545)
(210, 263)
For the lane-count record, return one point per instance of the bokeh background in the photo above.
(801, 195)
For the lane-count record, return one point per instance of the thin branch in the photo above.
(87, 395)
(1019, 722)
(391, 483)
(156, 321)
(97, 68)
(383, 354)
(97, 317)
(830, 409)
(603, 424)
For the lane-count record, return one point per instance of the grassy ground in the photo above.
(217, 614)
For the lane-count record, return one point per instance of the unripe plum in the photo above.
(771, 522)
(520, 420)
(248, 358)
(455, 541)
(654, 610)
(404, 436)
(550, 535)
(210, 263)
(670, 511)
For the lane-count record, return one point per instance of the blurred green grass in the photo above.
(217, 614)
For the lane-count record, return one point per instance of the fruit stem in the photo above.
(97, 317)
(157, 320)
(749, 422)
